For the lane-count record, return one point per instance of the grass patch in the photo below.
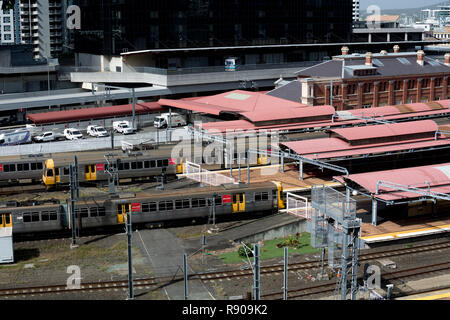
(299, 244)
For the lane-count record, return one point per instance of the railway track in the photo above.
(267, 270)
(152, 282)
(331, 287)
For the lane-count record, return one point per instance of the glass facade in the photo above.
(115, 26)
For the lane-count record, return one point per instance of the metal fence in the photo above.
(194, 172)
(298, 206)
(336, 204)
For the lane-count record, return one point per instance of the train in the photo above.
(151, 208)
(53, 170)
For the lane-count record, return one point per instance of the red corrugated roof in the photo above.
(252, 105)
(278, 112)
(337, 147)
(246, 125)
(94, 113)
(387, 130)
(437, 177)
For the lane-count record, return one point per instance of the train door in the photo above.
(239, 202)
(5, 220)
(57, 175)
(262, 159)
(122, 210)
(90, 172)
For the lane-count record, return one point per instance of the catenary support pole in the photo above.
(257, 275)
(285, 284)
(248, 167)
(72, 206)
(344, 263)
(130, 257)
(186, 293)
(374, 211)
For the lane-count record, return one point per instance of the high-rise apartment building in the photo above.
(356, 12)
(41, 24)
(7, 26)
(112, 27)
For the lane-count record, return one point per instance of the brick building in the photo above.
(351, 81)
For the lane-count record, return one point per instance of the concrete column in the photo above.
(391, 94)
(405, 91)
(370, 38)
(432, 89)
(445, 88)
(376, 94)
(374, 211)
(419, 90)
(388, 37)
(406, 36)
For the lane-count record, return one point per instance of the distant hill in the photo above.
(407, 11)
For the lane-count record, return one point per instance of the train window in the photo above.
(147, 164)
(7, 219)
(93, 211)
(153, 207)
(186, 203)
(49, 173)
(57, 171)
(20, 167)
(9, 168)
(169, 205)
(45, 216)
(26, 167)
(162, 206)
(178, 204)
(194, 203)
(139, 165)
(34, 166)
(84, 212)
(145, 207)
(202, 202)
(101, 211)
(66, 171)
(134, 165)
(120, 166)
(27, 217)
(159, 163)
(126, 166)
(218, 201)
(152, 163)
(263, 196)
(34, 216)
(165, 162)
(53, 215)
(40, 166)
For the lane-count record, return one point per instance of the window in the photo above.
(159, 163)
(165, 205)
(34, 216)
(134, 165)
(83, 212)
(149, 207)
(7, 28)
(438, 82)
(101, 211)
(263, 196)
(9, 167)
(53, 215)
(45, 216)
(182, 204)
(27, 217)
(199, 203)
(425, 83)
(23, 167)
(218, 201)
(147, 164)
(6, 20)
(7, 37)
(93, 211)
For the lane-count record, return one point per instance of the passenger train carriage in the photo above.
(147, 208)
(53, 170)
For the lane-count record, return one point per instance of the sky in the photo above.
(397, 4)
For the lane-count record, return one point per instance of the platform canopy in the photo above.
(434, 178)
(368, 140)
(255, 107)
(93, 113)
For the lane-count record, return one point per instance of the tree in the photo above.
(8, 4)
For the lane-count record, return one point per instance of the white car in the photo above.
(46, 137)
(123, 127)
(73, 134)
(97, 131)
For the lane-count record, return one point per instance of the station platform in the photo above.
(397, 230)
(438, 295)
(289, 178)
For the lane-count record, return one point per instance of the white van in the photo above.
(163, 120)
(123, 127)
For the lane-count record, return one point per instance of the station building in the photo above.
(354, 81)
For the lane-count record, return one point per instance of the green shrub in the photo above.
(241, 251)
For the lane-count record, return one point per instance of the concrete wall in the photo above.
(279, 232)
(116, 62)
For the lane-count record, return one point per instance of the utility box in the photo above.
(6, 245)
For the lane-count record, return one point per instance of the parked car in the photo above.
(97, 131)
(123, 127)
(73, 134)
(48, 136)
(164, 119)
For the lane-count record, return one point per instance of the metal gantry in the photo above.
(334, 224)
